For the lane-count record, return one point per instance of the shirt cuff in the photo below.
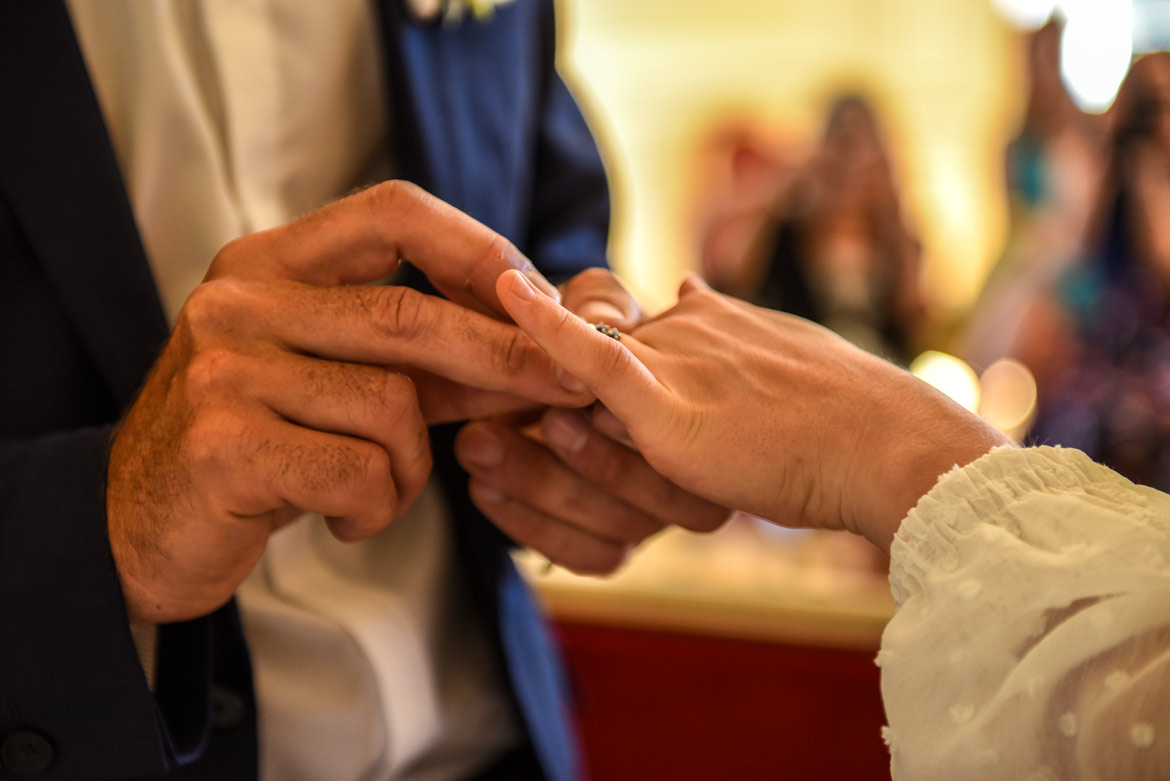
(983, 493)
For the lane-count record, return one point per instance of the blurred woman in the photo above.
(1099, 343)
(841, 254)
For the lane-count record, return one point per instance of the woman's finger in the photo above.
(607, 367)
(596, 295)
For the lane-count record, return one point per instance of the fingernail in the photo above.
(569, 382)
(542, 284)
(566, 432)
(602, 312)
(522, 288)
(482, 447)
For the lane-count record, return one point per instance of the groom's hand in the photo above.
(578, 495)
(273, 395)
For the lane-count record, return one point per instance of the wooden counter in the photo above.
(747, 581)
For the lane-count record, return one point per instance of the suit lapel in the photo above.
(412, 114)
(457, 109)
(59, 170)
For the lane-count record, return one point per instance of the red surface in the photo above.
(655, 705)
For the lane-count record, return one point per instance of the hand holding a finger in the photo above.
(273, 395)
(762, 411)
(594, 294)
(574, 494)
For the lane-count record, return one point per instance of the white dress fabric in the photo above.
(1032, 635)
(232, 116)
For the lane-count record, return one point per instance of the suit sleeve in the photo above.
(70, 678)
(69, 672)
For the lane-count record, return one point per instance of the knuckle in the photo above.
(392, 202)
(365, 471)
(214, 305)
(399, 313)
(208, 438)
(396, 405)
(616, 361)
(418, 469)
(401, 192)
(371, 470)
(413, 481)
(497, 248)
(230, 256)
(397, 197)
(214, 372)
(563, 324)
(515, 353)
(389, 395)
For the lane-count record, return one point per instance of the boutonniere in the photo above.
(453, 11)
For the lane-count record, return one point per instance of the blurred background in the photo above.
(978, 190)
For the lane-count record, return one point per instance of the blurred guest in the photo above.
(741, 170)
(1051, 164)
(1108, 391)
(841, 253)
(1053, 169)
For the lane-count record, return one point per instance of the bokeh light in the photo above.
(950, 375)
(1008, 396)
(1026, 14)
(1095, 50)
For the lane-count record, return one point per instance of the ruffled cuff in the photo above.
(983, 493)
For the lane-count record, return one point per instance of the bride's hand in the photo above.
(762, 411)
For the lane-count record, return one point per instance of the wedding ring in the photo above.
(609, 331)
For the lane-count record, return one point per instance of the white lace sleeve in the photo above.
(1032, 636)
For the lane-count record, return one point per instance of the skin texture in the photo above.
(280, 391)
(758, 410)
(571, 492)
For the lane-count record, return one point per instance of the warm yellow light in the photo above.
(1025, 14)
(1009, 396)
(1096, 47)
(658, 77)
(950, 375)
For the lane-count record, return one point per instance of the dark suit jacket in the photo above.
(480, 119)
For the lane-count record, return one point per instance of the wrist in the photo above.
(924, 435)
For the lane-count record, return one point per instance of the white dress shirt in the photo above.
(1032, 637)
(232, 116)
